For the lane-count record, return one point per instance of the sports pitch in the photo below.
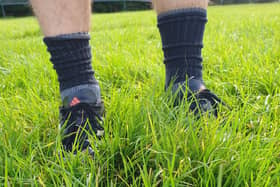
(148, 142)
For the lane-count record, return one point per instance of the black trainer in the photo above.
(78, 122)
(201, 99)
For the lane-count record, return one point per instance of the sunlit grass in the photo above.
(148, 142)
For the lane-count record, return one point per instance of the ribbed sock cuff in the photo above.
(71, 58)
(182, 33)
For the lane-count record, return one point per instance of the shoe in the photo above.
(78, 123)
(201, 100)
(205, 102)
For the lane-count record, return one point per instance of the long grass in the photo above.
(148, 142)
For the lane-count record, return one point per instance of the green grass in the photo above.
(147, 143)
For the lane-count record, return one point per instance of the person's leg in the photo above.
(162, 6)
(57, 17)
(65, 25)
(181, 24)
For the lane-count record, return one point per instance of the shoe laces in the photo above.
(205, 101)
(78, 122)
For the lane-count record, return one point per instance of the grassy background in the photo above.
(147, 142)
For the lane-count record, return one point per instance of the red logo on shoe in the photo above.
(75, 101)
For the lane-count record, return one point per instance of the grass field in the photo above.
(148, 142)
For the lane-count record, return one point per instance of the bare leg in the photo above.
(58, 17)
(166, 5)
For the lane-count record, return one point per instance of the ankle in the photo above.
(195, 85)
(87, 93)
